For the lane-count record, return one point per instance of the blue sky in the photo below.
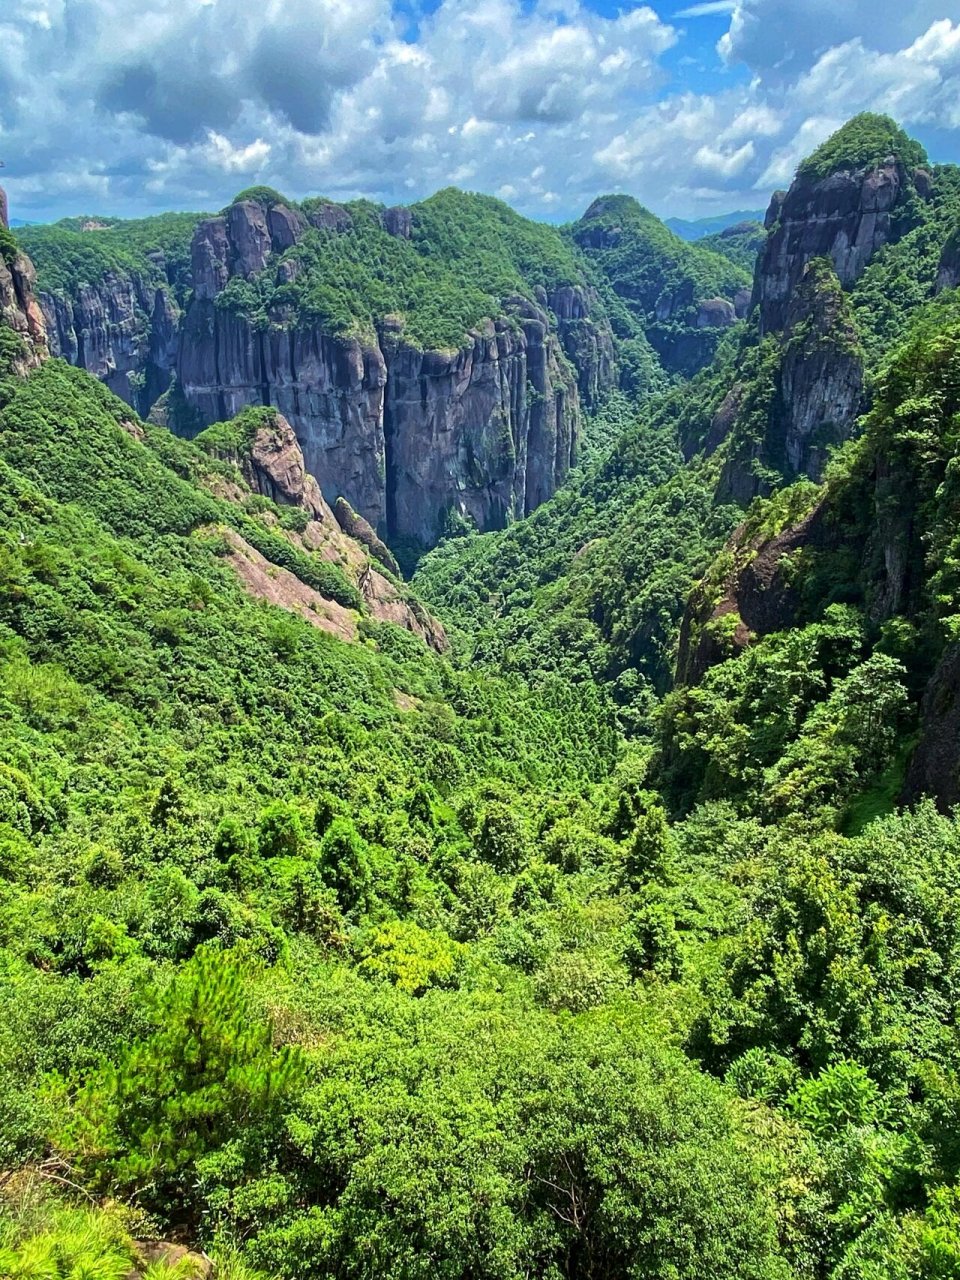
(110, 106)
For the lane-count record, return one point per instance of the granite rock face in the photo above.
(821, 375)
(587, 345)
(845, 217)
(407, 437)
(486, 432)
(123, 330)
(271, 462)
(814, 399)
(948, 275)
(410, 438)
(821, 236)
(19, 308)
(331, 391)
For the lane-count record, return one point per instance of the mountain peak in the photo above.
(616, 206)
(864, 142)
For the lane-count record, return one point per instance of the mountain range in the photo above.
(479, 738)
(698, 228)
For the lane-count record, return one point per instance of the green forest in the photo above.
(617, 940)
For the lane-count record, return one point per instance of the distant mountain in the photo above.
(21, 222)
(740, 242)
(696, 229)
(615, 297)
(679, 296)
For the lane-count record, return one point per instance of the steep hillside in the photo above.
(432, 360)
(865, 564)
(112, 291)
(594, 585)
(679, 296)
(327, 950)
(741, 243)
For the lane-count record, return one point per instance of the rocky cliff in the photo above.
(846, 216)
(879, 536)
(412, 434)
(807, 398)
(123, 329)
(948, 274)
(270, 462)
(842, 209)
(409, 437)
(19, 310)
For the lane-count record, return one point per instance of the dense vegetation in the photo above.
(653, 282)
(862, 143)
(352, 960)
(740, 243)
(465, 254)
(81, 251)
(592, 584)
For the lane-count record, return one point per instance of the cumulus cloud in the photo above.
(779, 38)
(107, 106)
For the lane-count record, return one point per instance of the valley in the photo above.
(479, 738)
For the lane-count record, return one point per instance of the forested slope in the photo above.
(594, 583)
(621, 940)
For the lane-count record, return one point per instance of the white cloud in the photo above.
(779, 38)
(107, 105)
(724, 164)
(708, 9)
(222, 154)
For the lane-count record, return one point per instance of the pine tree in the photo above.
(209, 1072)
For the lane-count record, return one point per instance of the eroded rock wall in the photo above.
(123, 330)
(408, 437)
(845, 217)
(19, 308)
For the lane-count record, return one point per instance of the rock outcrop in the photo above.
(270, 462)
(935, 764)
(362, 531)
(948, 275)
(408, 437)
(273, 465)
(821, 236)
(846, 217)
(123, 330)
(19, 309)
(809, 401)
(758, 594)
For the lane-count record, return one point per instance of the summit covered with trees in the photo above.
(584, 907)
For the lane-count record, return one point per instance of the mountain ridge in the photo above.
(617, 940)
(211, 326)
